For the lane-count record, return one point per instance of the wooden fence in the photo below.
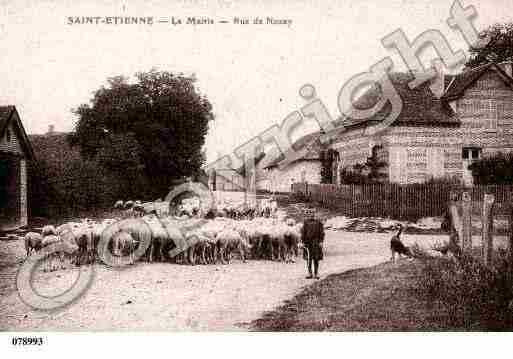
(398, 201)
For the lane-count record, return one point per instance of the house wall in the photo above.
(10, 210)
(280, 180)
(415, 154)
(23, 193)
(418, 153)
(13, 146)
(486, 112)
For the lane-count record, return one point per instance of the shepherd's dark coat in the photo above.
(312, 236)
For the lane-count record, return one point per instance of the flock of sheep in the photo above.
(257, 238)
(192, 207)
(77, 240)
(192, 236)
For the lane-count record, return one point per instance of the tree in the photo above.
(493, 170)
(375, 166)
(352, 175)
(365, 173)
(154, 127)
(498, 45)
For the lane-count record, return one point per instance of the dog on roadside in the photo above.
(397, 246)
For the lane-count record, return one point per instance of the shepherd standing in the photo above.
(312, 236)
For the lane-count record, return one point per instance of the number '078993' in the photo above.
(27, 341)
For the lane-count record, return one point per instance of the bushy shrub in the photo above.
(474, 296)
(493, 170)
(447, 181)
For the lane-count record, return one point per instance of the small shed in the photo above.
(15, 153)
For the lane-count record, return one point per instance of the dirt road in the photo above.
(163, 296)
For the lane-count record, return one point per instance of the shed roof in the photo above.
(308, 146)
(7, 115)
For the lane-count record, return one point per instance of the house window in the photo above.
(471, 153)
(8, 135)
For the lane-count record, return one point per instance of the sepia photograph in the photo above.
(255, 166)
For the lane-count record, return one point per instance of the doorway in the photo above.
(9, 192)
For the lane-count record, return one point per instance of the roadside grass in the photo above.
(477, 297)
(403, 296)
(380, 298)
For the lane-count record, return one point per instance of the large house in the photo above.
(15, 152)
(444, 125)
(438, 132)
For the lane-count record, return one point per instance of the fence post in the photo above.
(510, 218)
(351, 208)
(455, 216)
(487, 222)
(466, 231)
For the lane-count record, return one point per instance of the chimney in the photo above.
(507, 67)
(437, 86)
(51, 129)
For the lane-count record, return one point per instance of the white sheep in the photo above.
(229, 240)
(128, 204)
(33, 242)
(49, 230)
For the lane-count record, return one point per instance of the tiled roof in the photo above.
(420, 106)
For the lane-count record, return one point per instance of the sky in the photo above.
(250, 73)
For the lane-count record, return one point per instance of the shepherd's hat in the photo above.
(309, 212)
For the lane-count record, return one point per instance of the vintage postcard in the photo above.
(267, 166)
